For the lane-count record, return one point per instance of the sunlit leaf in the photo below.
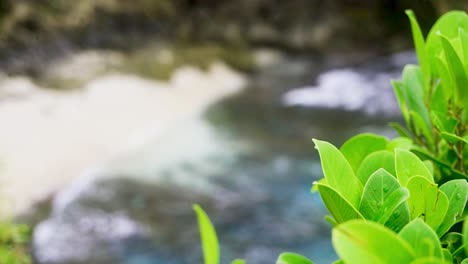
(457, 194)
(337, 171)
(358, 147)
(208, 236)
(408, 165)
(340, 209)
(292, 258)
(377, 160)
(383, 199)
(422, 239)
(427, 201)
(420, 46)
(364, 242)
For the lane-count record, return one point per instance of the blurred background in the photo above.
(117, 115)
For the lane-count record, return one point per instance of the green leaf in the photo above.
(208, 236)
(400, 96)
(457, 73)
(443, 122)
(439, 100)
(427, 201)
(339, 174)
(408, 165)
(452, 138)
(238, 261)
(429, 260)
(362, 242)
(463, 35)
(457, 194)
(339, 207)
(413, 91)
(422, 127)
(399, 142)
(292, 258)
(420, 47)
(445, 77)
(402, 132)
(374, 161)
(384, 198)
(449, 25)
(452, 241)
(422, 239)
(358, 147)
(447, 255)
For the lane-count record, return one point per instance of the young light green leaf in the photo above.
(384, 199)
(463, 35)
(358, 147)
(439, 102)
(401, 143)
(427, 201)
(292, 258)
(339, 208)
(447, 255)
(413, 91)
(422, 239)
(457, 194)
(449, 25)
(362, 242)
(443, 122)
(208, 236)
(238, 261)
(445, 77)
(374, 161)
(402, 132)
(430, 260)
(420, 47)
(457, 72)
(408, 165)
(422, 127)
(339, 174)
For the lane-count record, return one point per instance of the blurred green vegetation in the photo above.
(13, 243)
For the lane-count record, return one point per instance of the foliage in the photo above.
(13, 240)
(400, 200)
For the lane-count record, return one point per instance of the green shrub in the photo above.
(400, 200)
(13, 240)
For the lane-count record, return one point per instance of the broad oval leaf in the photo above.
(374, 161)
(383, 198)
(208, 236)
(427, 201)
(422, 239)
(362, 242)
(408, 165)
(358, 147)
(338, 173)
(339, 208)
(292, 258)
(457, 194)
(401, 143)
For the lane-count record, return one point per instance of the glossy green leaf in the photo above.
(457, 194)
(449, 25)
(358, 147)
(377, 160)
(408, 165)
(337, 171)
(401, 143)
(383, 198)
(457, 73)
(427, 201)
(292, 258)
(363, 242)
(339, 208)
(422, 239)
(420, 46)
(208, 236)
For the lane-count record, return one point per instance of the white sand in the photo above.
(48, 138)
